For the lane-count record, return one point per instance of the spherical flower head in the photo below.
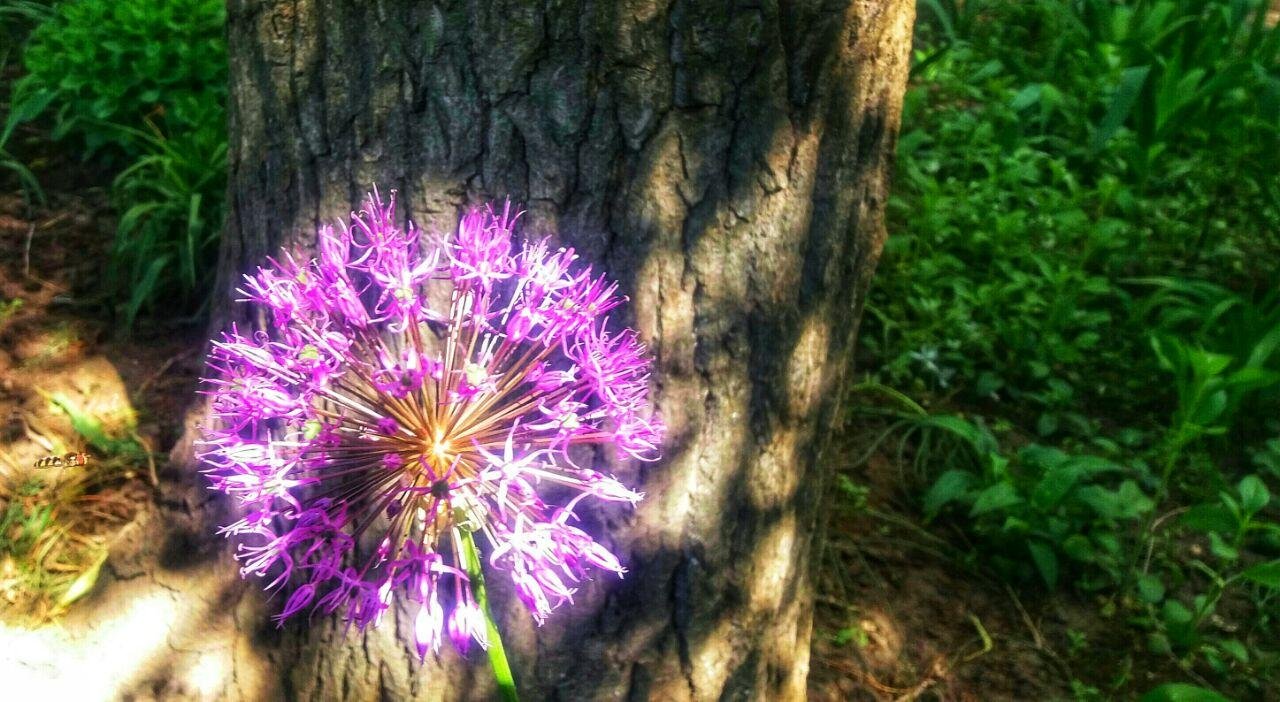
(372, 434)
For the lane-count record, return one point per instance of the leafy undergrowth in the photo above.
(900, 616)
(138, 89)
(1073, 364)
(910, 608)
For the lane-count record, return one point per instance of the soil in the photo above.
(901, 615)
(57, 340)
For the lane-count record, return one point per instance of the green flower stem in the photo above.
(497, 654)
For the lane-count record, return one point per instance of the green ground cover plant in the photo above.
(1081, 302)
(97, 63)
(141, 87)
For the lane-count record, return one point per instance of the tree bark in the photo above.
(729, 164)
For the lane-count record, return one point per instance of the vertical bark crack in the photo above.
(682, 614)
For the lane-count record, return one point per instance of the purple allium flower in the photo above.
(370, 430)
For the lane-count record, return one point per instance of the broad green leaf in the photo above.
(1126, 95)
(1150, 589)
(1236, 649)
(1182, 692)
(1046, 562)
(1175, 613)
(950, 486)
(1026, 97)
(1126, 502)
(1158, 644)
(1209, 518)
(1253, 494)
(1209, 409)
(1265, 574)
(995, 497)
(1221, 548)
(1055, 484)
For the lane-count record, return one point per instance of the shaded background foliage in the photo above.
(1080, 297)
(139, 87)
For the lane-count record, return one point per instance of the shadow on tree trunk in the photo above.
(729, 165)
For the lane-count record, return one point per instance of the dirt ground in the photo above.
(57, 350)
(896, 620)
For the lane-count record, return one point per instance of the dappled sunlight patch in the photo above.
(807, 368)
(771, 570)
(49, 659)
(881, 638)
(771, 481)
(145, 640)
(58, 521)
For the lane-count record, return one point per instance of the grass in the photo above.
(56, 524)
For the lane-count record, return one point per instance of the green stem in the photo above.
(497, 654)
(872, 386)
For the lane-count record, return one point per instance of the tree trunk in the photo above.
(728, 164)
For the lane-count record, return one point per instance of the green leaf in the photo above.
(26, 106)
(1055, 485)
(1126, 502)
(1150, 589)
(1078, 547)
(1182, 692)
(1026, 97)
(1250, 379)
(1253, 494)
(143, 289)
(1158, 644)
(950, 486)
(1096, 465)
(1209, 518)
(1131, 82)
(1221, 549)
(1210, 408)
(944, 17)
(1175, 613)
(995, 497)
(1265, 574)
(1236, 649)
(1046, 562)
(977, 436)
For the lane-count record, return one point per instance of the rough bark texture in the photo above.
(728, 162)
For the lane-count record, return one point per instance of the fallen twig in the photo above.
(26, 250)
(164, 367)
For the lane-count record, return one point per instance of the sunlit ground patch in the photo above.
(57, 521)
